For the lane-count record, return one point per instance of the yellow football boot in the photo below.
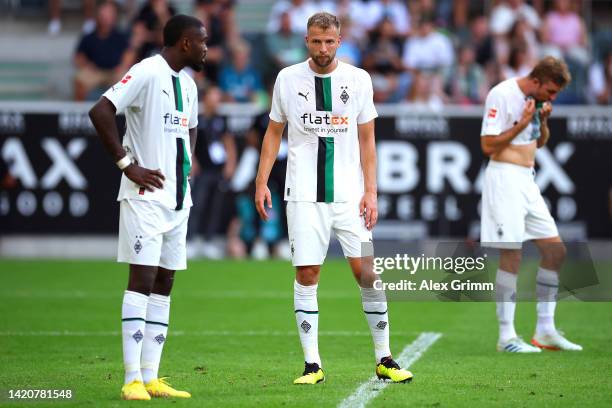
(159, 388)
(388, 369)
(312, 375)
(135, 391)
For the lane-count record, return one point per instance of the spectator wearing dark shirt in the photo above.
(101, 57)
(214, 164)
(147, 28)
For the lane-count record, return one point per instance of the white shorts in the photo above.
(151, 234)
(513, 209)
(310, 225)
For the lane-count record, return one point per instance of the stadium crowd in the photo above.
(425, 52)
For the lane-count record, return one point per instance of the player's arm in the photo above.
(102, 116)
(367, 147)
(544, 130)
(492, 144)
(269, 151)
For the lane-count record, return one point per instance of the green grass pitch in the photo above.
(233, 341)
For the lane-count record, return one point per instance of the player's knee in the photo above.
(163, 283)
(510, 260)
(554, 255)
(307, 275)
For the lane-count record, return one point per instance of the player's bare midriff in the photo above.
(522, 155)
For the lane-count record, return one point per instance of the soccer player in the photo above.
(330, 183)
(514, 126)
(160, 102)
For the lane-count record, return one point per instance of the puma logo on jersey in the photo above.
(167, 94)
(305, 96)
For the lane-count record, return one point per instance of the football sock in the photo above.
(375, 308)
(505, 290)
(133, 314)
(547, 286)
(156, 330)
(307, 319)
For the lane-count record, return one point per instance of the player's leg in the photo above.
(156, 328)
(503, 226)
(173, 257)
(309, 233)
(133, 317)
(356, 242)
(540, 226)
(140, 246)
(552, 251)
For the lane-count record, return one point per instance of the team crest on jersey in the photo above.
(137, 244)
(344, 96)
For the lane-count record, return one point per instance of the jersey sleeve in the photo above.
(277, 112)
(129, 91)
(368, 110)
(495, 115)
(193, 118)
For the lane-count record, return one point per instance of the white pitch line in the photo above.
(371, 388)
(206, 333)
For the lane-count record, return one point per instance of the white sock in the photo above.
(547, 286)
(505, 291)
(307, 319)
(156, 330)
(375, 309)
(133, 315)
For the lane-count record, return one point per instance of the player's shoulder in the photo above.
(188, 79)
(292, 70)
(501, 89)
(359, 73)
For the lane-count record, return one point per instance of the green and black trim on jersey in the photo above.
(325, 155)
(183, 166)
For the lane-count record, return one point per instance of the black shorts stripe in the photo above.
(180, 175)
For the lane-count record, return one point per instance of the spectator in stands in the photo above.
(285, 47)
(238, 80)
(524, 36)
(219, 19)
(55, 12)
(153, 15)
(518, 64)
(507, 12)
(299, 12)
(482, 40)
(564, 33)
(214, 163)
(428, 49)
(467, 81)
(349, 50)
(426, 91)
(383, 59)
(101, 56)
(599, 89)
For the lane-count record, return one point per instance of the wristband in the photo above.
(123, 163)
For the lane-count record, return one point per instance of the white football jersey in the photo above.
(323, 111)
(160, 107)
(504, 108)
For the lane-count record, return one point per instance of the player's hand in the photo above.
(149, 179)
(368, 209)
(263, 197)
(528, 111)
(545, 111)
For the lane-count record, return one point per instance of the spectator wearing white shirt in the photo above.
(428, 49)
(508, 12)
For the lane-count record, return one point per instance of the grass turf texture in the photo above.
(220, 353)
